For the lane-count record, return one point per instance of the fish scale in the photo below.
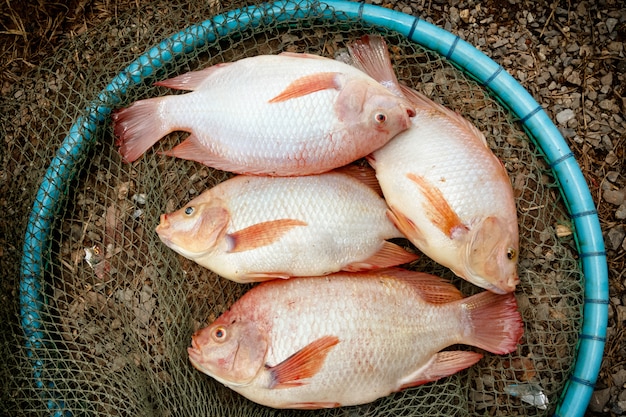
(350, 338)
(252, 228)
(283, 115)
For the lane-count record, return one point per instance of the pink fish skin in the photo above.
(281, 115)
(447, 191)
(350, 338)
(252, 228)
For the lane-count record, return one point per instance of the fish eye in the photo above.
(511, 253)
(380, 118)
(189, 211)
(219, 333)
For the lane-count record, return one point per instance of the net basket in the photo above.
(97, 313)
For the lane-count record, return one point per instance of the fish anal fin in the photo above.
(191, 80)
(263, 276)
(439, 210)
(190, 149)
(431, 288)
(389, 255)
(441, 365)
(307, 85)
(303, 364)
(364, 173)
(261, 234)
(312, 405)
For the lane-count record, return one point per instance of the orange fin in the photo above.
(261, 234)
(431, 288)
(442, 364)
(406, 226)
(302, 55)
(389, 255)
(263, 276)
(363, 173)
(312, 405)
(190, 149)
(307, 85)
(420, 101)
(494, 322)
(371, 55)
(190, 80)
(137, 129)
(439, 211)
(303, 364)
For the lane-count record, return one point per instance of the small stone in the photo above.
(606, 104)
(607, 79)
(620, 213)
(619, 378)
(612, 176)
(565, 115)
(465, 15)
(454, 15)
(599, 399)
(611, 22)
(615, 236)
(615, 197)
(574, 78)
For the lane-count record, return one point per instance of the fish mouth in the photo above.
(195, 354)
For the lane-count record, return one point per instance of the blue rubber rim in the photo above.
(546, 136)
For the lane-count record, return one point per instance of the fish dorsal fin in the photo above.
(307, 85)
(389, 255)
(303, 364)
(370, 55)
(430, 288)
(364, 173)
(302, 55)
(420, 101)
(191, 80)
(438, 209)
(261, 234)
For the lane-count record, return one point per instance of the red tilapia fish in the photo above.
(350, 338)
(447, 191)
(251, 228)
(283, 115)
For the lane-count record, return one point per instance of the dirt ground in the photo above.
(573, 50)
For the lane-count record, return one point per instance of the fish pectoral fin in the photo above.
(389, 255)
(406, 226)
(431, 288)
(191, 80)
(307, 85)
(442, 364)
(261, 234)
(303, 364)
(263, 276)
(438, 209)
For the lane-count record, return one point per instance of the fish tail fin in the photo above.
(370, 55)
(138, 127)
(492, 322)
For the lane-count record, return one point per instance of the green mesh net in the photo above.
(120, 307)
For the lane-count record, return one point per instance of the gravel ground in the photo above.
(569, 56)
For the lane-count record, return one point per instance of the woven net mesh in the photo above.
(119, 307)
